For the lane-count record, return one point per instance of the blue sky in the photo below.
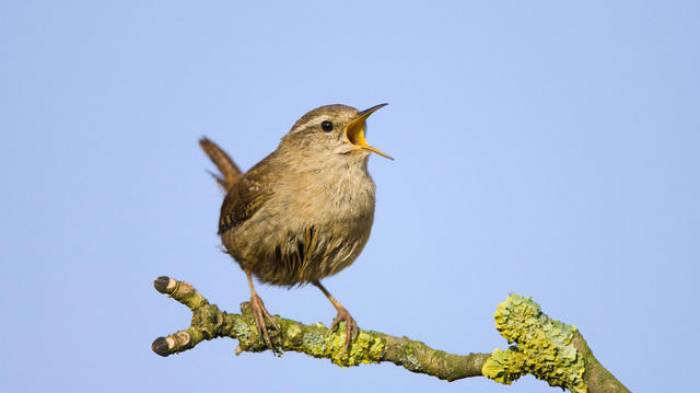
(543, 148)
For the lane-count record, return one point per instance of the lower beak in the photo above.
(355, 131)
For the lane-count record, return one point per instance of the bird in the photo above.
(305, 211)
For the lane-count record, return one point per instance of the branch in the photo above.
(546, 348)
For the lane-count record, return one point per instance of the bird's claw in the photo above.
(351, 328)
(262, 320)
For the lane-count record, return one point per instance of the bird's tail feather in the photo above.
(228, 170)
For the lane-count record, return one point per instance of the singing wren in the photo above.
(305, 211)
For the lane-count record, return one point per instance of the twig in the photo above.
(546, 348)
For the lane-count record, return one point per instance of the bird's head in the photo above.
(333, 132)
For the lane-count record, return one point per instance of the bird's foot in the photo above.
(263, 319)
(351, 328)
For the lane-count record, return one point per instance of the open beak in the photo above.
(355, 131)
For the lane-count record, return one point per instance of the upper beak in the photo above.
(355, 131)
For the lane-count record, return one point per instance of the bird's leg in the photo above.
(343, 315)
(262, 316)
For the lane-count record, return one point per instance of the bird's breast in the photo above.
(315, 225)
(345, 195)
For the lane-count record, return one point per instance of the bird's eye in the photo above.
(327, 126)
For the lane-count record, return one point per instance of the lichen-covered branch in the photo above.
(548, 349)
(208, 322)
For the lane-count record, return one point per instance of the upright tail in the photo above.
(228, 170)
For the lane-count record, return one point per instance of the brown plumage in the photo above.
(229, 171)
(305, 211)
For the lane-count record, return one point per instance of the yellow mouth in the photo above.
(355, 131)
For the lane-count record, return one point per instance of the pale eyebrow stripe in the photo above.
(317, 118)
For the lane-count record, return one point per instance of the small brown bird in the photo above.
(305, 211)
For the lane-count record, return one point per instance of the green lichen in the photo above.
(208, 319)
(320, 342)
(315, 340)
(244, 329)
(544, 347)
(413, 361)
(187, 295)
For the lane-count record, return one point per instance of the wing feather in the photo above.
(242, 201)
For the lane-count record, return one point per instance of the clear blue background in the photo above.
(543, 148)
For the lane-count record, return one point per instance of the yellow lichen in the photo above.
(504, 366)
(365, 348)
(543, 349)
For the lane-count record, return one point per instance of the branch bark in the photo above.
(548, 349)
